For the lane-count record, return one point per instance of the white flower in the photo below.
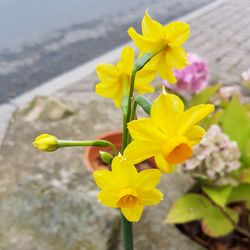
(214, 157)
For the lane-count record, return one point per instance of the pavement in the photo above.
(48, 200)
(70, 34)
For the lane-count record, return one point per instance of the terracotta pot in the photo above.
(91, 156)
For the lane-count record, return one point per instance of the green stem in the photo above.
(131, 91)
(97, 143)
(128, 110)
(127, 228)
(133, 109)
(132, 117)
(234, 224)
(124, 132)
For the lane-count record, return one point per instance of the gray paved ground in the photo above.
(43, 39)
(222, 37)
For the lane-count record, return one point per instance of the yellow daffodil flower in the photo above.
(169, 134)
(46, 142)
(115, 79)
(123, 187)
(164, 40)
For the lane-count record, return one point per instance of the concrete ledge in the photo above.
(6, 111)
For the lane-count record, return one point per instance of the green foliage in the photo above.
(248, 205)
(144, 103)
(216, 223)
(236, 124)
(245, 176)
(219, 195)
(204, 96)
(240, 193)
(189, 207)
(214, 118)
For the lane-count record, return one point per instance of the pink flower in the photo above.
(192, 79)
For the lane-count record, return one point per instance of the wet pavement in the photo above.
(43, 39)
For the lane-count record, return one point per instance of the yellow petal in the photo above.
(143, 89)
(108, 198)
(144, 44)
(133, 214)
(194, 115)
(148, 179)
(163, 165)
(151, 28)
(142, 80)
(176, 58)
(126, 63)
(177, 150)
(164, 71)
(145, 130)
(105, 179)
(177, 33)
(107, 89)
(110, 90)
(107, 72)
(118, 98)
(151, 197)
(124, 170)
(138, 151)
(166, 113)
(194, 134)
(153, 63)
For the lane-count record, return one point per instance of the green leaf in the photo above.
(246, 155)
(204, 96)
(245, 176)
(248, 206)
(240, 193)
(236, 124)
(218, 195)
(144, 103)
(189, 207)
(216, 224)
(214, 118)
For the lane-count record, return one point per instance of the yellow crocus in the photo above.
(164, 40)
(115, 79)
(46, 142)
(123, 187)
(168, 134)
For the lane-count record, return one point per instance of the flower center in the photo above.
(176, 150)
(128, 197)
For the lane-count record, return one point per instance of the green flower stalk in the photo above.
(49, 143)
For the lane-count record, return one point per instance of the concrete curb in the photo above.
(6, 111)
(78, 74)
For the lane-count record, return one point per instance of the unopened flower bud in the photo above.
(106, 157)
(46, 142)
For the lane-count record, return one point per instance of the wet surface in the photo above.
(43, 39)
